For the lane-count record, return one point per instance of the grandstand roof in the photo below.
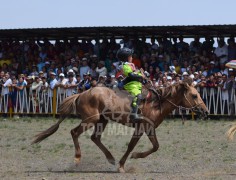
(119, 32)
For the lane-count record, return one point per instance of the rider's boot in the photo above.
(135, 117)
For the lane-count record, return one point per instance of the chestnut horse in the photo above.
(99, 105)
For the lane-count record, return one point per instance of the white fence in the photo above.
(26, 101)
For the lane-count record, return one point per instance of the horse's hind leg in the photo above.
(96, 138)
(76, 132)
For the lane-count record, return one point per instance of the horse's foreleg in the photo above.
(75, 133)
(96, 138)
(135, 138)
(150, 131)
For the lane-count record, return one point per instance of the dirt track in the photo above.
(196, 150)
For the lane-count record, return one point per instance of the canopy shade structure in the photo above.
(119, 32)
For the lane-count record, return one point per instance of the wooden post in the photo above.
(192, 115)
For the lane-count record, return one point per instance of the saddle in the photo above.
(148, 94)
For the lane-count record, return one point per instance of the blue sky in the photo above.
(78, 13)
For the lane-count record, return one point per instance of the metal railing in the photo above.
(26, 101)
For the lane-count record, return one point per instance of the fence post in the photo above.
(10, 107)
(54, 102)
(192, 113)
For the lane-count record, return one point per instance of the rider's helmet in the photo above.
(123, 54)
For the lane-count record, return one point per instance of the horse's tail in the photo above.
(230, 133)
(67, 107)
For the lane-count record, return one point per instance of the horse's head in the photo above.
(192, 99)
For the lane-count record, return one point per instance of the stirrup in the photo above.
(136, 117)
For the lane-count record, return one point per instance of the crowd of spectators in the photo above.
(78, 65)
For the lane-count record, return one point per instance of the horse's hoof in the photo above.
(112, 161)
(77, 161)
(121, 170)
(134, 155)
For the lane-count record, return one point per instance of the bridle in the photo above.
(181, 108)
(192, 108)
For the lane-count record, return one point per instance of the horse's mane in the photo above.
(168, 91)
(171, 90)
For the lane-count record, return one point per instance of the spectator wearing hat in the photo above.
(71, 73)
(101, 69)
(61, 84)
(197, 77)
(36, 88)
(94, 58)
(36, 85)
(212, 69)
(41, 74)
(70, 86)
(101, 81)
(44, 86)
(85, 83)
(185, 75)
(169, 81)
(47, 65)
(84, 68)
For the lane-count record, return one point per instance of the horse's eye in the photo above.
(194, 96)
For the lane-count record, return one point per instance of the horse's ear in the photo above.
(187, 82)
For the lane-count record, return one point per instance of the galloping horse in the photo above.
(230, 133)
(99, 105)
